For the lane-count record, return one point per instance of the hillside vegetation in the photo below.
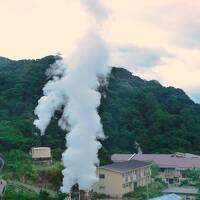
(159, 119)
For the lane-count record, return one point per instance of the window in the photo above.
(102, 176)
(162, 169)
(135, 184)
(129, 173)
(102, 187)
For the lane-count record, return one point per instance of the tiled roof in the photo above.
(120, 157)
(41, 148)
(182, 190)
(125, 166)
(163, 160)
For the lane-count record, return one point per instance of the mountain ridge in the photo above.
(161, 119)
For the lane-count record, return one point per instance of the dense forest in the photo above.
(133, 111)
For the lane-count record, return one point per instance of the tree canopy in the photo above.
(133, 111)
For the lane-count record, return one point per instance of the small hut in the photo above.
(41, 154)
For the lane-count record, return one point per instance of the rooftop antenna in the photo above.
(131, 157)
(147, 192)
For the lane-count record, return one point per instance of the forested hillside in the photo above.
(160, 119)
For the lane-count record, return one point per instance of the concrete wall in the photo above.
(111, 184)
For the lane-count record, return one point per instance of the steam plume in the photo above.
(75, 88)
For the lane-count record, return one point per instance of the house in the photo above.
(186, 192)
(168, 197)
(171, 165)
(41, 154)
(119, 178)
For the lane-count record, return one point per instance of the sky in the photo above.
(154, 39)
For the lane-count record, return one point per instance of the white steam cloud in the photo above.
(96, 9)
(75, 90)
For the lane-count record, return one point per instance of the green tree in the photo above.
(19, 165)
(155, 170)
(194, 174)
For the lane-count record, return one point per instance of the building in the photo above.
(171, 165)
(168, 197)
(186, 192)
(119, 178)
(42, 154)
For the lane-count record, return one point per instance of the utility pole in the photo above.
(70, 196)
(79, 195)
(147, 187)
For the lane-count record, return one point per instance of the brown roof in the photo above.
(40, 152)
(120, 157)
(125, 166)
(163, 160)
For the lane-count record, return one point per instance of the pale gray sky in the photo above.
(154, 39)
